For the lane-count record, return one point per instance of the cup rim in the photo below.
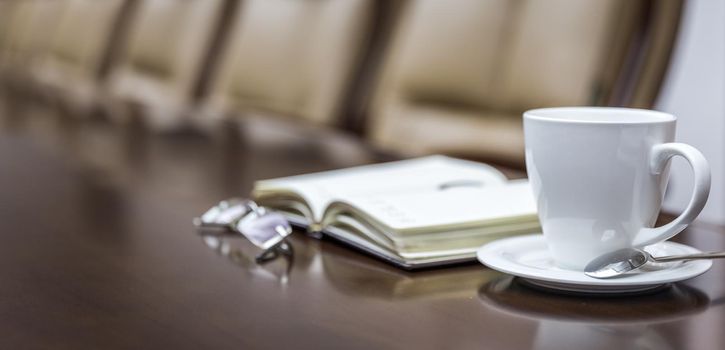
(634, 115)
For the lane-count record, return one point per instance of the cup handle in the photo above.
(659, 156)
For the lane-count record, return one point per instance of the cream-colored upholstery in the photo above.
(30, 33)
(167, 44)
(72, 63)
(291, 58)
(16, 29)
(31, 29)
(7, 12)
(459, 73)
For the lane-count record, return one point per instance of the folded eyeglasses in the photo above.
(265, 229)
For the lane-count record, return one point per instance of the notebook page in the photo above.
(450, 208)
(420, 175)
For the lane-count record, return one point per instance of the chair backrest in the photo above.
(167, 42)
(82, 36)
(291, 59)
(7, 12)
(31, 28)
(459, 73)
(16, 25)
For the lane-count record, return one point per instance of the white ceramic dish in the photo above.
(528, 257)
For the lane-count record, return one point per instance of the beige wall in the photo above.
(694, 91)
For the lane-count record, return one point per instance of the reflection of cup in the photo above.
(566, 322)
(510, 296)
(568, 335)
(599, 176)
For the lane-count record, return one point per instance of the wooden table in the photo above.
(98, 252)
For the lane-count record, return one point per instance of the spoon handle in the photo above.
(713, 255)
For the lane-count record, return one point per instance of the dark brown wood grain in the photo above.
(97, 251)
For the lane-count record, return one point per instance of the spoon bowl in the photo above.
(617, 263)
(622, 261)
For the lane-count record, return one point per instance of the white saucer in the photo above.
(528, 257)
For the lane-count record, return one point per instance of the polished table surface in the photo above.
(98, 252)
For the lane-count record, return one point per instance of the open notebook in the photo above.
(413, 213)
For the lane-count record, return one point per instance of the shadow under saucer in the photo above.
(513, 296)
(595, 322)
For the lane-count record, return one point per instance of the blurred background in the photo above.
(404, 77)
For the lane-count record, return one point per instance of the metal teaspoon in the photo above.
(625, 260)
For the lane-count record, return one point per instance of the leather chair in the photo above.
(16, 21)
(157, 73)
(7, 11)
(459, 74)
(72, 66)
(290, 60)
(28, 33)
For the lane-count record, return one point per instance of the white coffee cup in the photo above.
(599, 176)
